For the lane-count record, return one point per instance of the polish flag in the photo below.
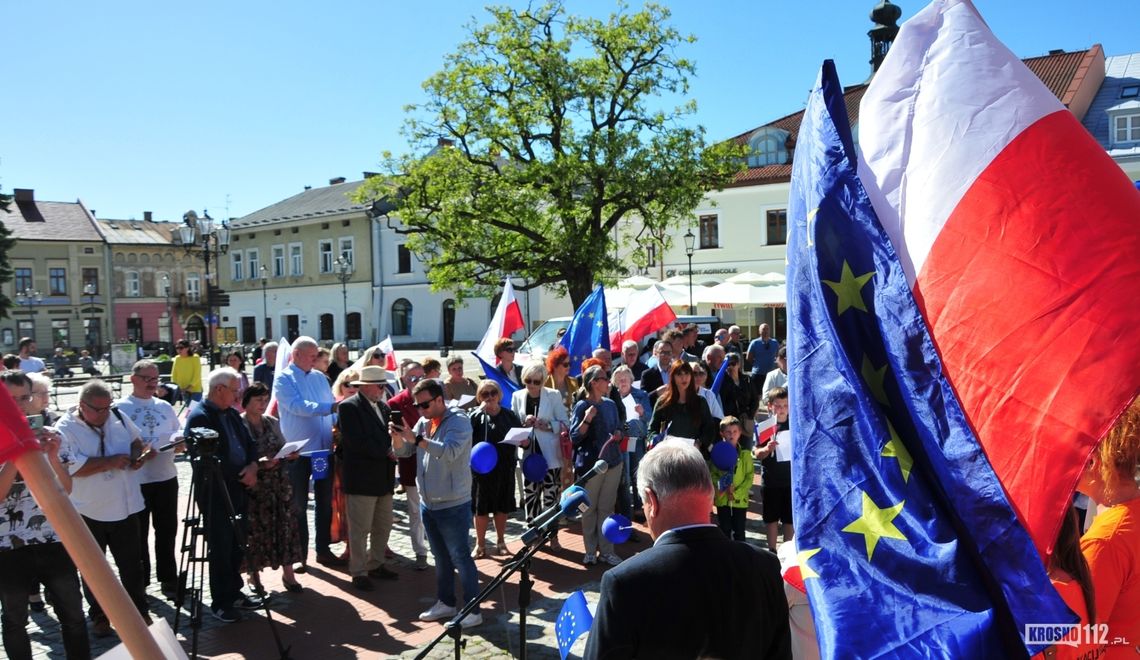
(790, 565)
(506, 321)
(389, 353)
(646, 313)
(1018, 235)
(765, 430)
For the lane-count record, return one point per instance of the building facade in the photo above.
(60, 265)
(1114, 116)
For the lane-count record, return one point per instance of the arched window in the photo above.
(353, 331)
(768, 146)
(133, 286)
(402, 317)
(326, 327)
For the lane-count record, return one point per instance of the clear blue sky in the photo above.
(134, 106)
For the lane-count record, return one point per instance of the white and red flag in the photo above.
(389, 351)
(506, 321)
(1018, 235)
(765, 430)
(646, 313)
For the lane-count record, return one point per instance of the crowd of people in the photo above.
(360, 437)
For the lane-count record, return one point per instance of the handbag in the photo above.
(567, 447)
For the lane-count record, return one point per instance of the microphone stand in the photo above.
(519, 562)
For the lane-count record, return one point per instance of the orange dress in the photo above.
(1070, 591)
(1112, 549)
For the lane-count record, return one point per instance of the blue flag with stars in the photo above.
(573, 620)
(506, 385)
(589, 329)
(907, 543)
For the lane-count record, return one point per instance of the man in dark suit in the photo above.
(695, 593)
(368, 467)
(236, 455)
(653, 378)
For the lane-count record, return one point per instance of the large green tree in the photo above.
(6, 244)
(540, 136)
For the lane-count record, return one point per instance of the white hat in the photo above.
(371, 375)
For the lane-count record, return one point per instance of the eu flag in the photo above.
(907, 542)
(506, 385)
(589, 329)
(573, 620)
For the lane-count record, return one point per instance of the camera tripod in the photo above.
(207, 483)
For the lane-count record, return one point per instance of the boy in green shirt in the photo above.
(734, 487)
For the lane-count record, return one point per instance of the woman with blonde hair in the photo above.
(339, 360)
(541, 408)
(1112, 544)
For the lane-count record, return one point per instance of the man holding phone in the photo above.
(158, 478)
(405, 414)
(104, 448)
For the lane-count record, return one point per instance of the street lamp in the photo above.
(343, 268)
(31, 299)
(89, 291)
(690, 244)
(211, 238)
(169, 316)
(264, 304)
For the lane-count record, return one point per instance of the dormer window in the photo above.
(1126, 128)
(1130, 91)
(768, 146)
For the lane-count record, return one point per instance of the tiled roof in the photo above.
(136, 232)
(1120, 71)
(50, 221)
(1059, 71)
(330, 200)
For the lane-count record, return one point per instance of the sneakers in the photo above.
(421, 562)
(590, 559)
(471, 620)
(438, 611)
(248, 603)
(225, 614)
(611, 559)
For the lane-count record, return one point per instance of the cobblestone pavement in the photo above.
(331, 619)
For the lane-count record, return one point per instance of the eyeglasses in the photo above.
(507, 350)
(94, 409)
(424, 405)
(485, 396)
(533, 382)
(564, 364)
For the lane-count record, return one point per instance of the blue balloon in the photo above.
(617, 528)
(724, 456)
(534, 468)
(483, 457)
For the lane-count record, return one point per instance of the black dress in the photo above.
(494, 492)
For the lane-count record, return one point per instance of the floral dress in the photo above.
(274, 538)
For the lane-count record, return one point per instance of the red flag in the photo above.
(646, 313)
(16, 436)
(1024, 269)
(765, 430)
(506, 321)
(389, 354)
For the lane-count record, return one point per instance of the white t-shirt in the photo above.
(108, 496)
(157, 421)
(31, 365)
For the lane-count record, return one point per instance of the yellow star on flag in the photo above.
(875, 523)
(802, 557)
(849, 289)
(895, 448)
(589, 315)
(874, 379)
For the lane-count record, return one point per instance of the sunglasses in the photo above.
(533, 382)
(426, 404)
(486, 396)
(507, 350)
(564, 364)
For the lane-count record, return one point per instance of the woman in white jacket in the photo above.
(541, 408)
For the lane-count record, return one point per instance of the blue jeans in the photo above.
(299, 473)
(448, 534)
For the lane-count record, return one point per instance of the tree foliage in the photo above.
(7, 243)
(541, 134)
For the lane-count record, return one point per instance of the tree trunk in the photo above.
(579, 283)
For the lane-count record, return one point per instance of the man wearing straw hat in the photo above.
(368, 465)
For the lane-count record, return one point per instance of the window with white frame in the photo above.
(768, 146)
(193, 287)
(325, 255)
(296, 260)
(1127, 128)
(132, 284)
(710, 235)
(163, 286)
(347, 249)
(238, 262)
(253, 260)
(278, 261)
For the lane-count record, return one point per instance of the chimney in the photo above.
(24, 195)
(335, 180)
(444, 142)
(369, 175)
(147, 216)
(885, 16)
(308, 187)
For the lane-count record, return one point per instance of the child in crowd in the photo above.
(734, 487)
(777, 489)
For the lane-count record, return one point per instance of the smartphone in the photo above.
(36, 422)
(398, 419)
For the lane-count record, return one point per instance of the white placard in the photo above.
(461, 401)
(289, 448)
(516, 436)
(163, 636)
(630, 407)
(784, 446)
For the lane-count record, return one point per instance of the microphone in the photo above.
(573, 504)
(600, 467)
